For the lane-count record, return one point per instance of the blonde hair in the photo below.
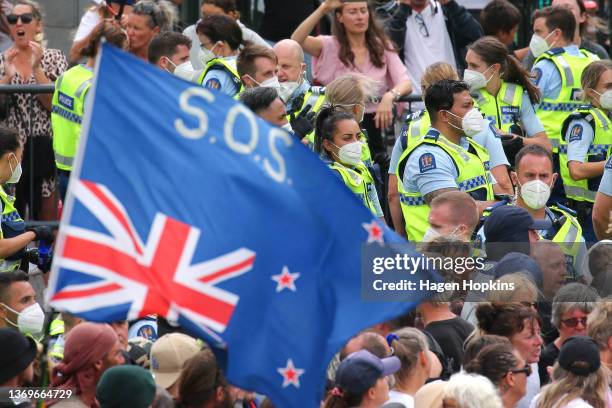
(567, 387)
(592, 73)
(407, 347)
(350, 89)
(437, 72)
(472, 391)
(521, 282)
(37, 10)
(599, 324)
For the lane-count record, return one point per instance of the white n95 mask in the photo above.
(535, 194)
(350, 153)
(31, 320)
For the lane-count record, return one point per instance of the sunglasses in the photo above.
(526, 370)
(573, 322)
(25, 18)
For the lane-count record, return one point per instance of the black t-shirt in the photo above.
(451, 334)
(548, 357)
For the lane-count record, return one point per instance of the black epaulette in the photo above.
(555, 51)
(432, 134)
(576, 116)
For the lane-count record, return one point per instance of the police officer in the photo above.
(588, 136)
(444, 159)
(303, 101)
(68, 101)
(220, 39)
(602, 209)
(558, 67)
(13, 235)
(338, 141)
(504, 93)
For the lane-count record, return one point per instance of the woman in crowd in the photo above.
(470, 391)
(417, 125)
(505, 94)
(220, 39)
(521, 325)
(579, 380)
(410, 346)
(505, 368)
(27, 62)
(202, 384)
(75, 83)
(358, 44)
(361, 381)
(587, 133)
(338, 141)
(148, 17)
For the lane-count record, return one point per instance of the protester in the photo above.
(579, 379)
(126, 386)
(266, 104)
(168, 355)
(338, 141)
(426, 32)
(91, 349)
(553, 266)
(202, 384)
(470, 391)
(360, 381)
(579, 10)
(257, 66)
(477, 342)
(170, 52)
(501, 19)
(358, 44)
(16, 367)
(587, 134)
(505, 368)
(148, 18)
(220, 39)
(430, 395)
(599, 328)
(29, 62)
(570, 310)
(214, 8)
(370, 341)
(74, 84)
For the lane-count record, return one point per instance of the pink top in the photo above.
(327, 67)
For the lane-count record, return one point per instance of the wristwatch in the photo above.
(396, 95)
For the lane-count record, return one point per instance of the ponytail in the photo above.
(339, 398)
(325, 125)
(516, 73)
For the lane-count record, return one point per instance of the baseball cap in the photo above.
(580, 355)
(509, 223)
(168, 354)
(360, 370)
(18, 352)
(517, 262)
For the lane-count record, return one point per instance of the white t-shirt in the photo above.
(427, 41)
(577, 403)
(401, 398)
(89, 21)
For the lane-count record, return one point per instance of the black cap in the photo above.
(510, 223)
(580, 355)
(18, 352)
(360, 370)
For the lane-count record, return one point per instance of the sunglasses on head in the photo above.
(25, 18)
(573, 322)
(526, 370)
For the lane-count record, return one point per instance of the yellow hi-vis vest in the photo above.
(552, 112)
(504, 109)
(11, 220)
(314, 97)
(417, 125)
(569, 232)
(68, 106)
(359, 180)
(474, 178)
(222, 64)
(585, 190)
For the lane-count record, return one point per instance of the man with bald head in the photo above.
(301, 99)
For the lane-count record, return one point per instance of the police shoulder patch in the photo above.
(427, 162)
(609, 163)
(537, 75)
(576, 133)
(213, 83)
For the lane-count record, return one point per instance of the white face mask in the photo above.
(471, 124)
(431, 234)
(15, 173)
(287, 127)
(535, 194)
(184, 71)
(605, 99)
(31, 320)
(269, 83)
(287, 89)
(476, 80)
(206, 55)
(350, 153)
(538, 45)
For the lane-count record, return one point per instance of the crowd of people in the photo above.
(460, 140)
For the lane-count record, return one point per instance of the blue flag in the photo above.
(184, 204)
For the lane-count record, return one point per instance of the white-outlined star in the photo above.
(291, 375)
(285, 280)
(375, 232)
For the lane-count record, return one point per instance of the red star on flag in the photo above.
(291, 375)
(375, 232)
(285, 280)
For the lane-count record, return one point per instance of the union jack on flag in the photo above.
(152, 277)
